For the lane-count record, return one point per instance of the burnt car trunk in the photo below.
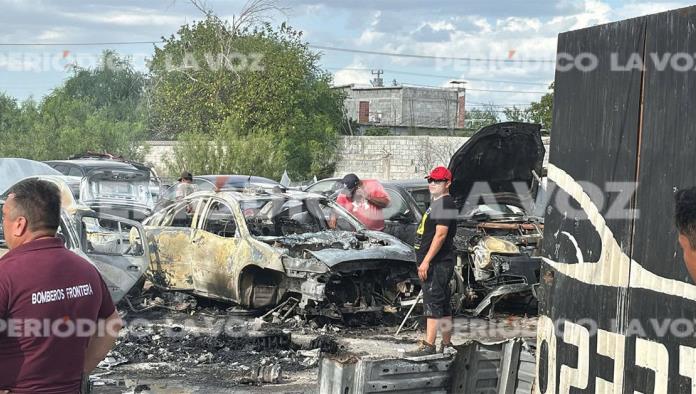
(118, 192)
(494, 186)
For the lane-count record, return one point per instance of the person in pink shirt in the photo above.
(365, 200)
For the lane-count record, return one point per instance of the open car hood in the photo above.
(498, 156)
(13, 170)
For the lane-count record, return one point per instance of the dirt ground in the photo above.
(192, 345)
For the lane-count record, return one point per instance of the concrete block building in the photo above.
(405, 106)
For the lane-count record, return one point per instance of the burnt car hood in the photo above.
(500, 155)
(334, 247)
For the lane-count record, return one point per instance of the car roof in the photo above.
(414, 182)
(256, 195)
(91, 164)
(237, 180)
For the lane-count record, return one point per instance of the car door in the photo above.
(325, 187)
(401, 217)
(171, 238)
(116, 247)
(216, 242)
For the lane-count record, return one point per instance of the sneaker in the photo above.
(447, 348)
(423, 349)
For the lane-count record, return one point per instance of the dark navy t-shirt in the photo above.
(48, 297)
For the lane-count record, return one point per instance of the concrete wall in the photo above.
(391, 157)
(423, 107)
(387, 157)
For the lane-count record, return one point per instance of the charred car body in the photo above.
(495, 174)
(113, 245)
(256, 249)
(111, 186)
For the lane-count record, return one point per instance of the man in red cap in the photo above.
(365, 199)
(435, 257)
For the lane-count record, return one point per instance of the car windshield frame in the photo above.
(307, 204)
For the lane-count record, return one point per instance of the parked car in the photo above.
(155, 180)
(259, 248)
(110, 186)
(417, 188)
(112, 244)
(14, 169)
(401, 217)
(229, 182)
(495, 181)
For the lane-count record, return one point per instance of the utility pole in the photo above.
(377, 82)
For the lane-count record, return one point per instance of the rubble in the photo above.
(264, 374)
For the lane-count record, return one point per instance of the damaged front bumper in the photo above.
(370, 286)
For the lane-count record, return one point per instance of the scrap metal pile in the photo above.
(296, 260)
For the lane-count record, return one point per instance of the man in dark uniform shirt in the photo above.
(57, 320)
(435, 257)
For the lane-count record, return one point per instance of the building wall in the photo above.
(406, 106)
(385, 105)
(424, 107)
(392, 157)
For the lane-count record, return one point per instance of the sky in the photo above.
(523, 33)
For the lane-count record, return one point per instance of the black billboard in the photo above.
(617, 306)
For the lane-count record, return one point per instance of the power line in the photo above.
(439, 76)
(418, 56)
(479, 90)
(321, 47)
(506, 91)
(39, 44)
(495, 105)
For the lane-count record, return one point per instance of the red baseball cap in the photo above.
(440, 174)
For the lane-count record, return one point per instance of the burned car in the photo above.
(258, 249)
(495, 180)
(111, 187)
(211, 182)
(113, 245)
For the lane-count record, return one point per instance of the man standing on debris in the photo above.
(685, 217)
(365, 200)
(185, 186)
(435, 257)
(57, 320)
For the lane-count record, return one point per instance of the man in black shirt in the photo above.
(434, 252)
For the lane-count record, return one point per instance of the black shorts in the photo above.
(436, 291)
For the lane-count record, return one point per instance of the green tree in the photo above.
(481, 117)
(235, 84)
(514, 114)
(96, 109)
(542, 111)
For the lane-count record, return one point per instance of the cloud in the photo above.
(355, 73)
(427, 33)
(538, 8)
